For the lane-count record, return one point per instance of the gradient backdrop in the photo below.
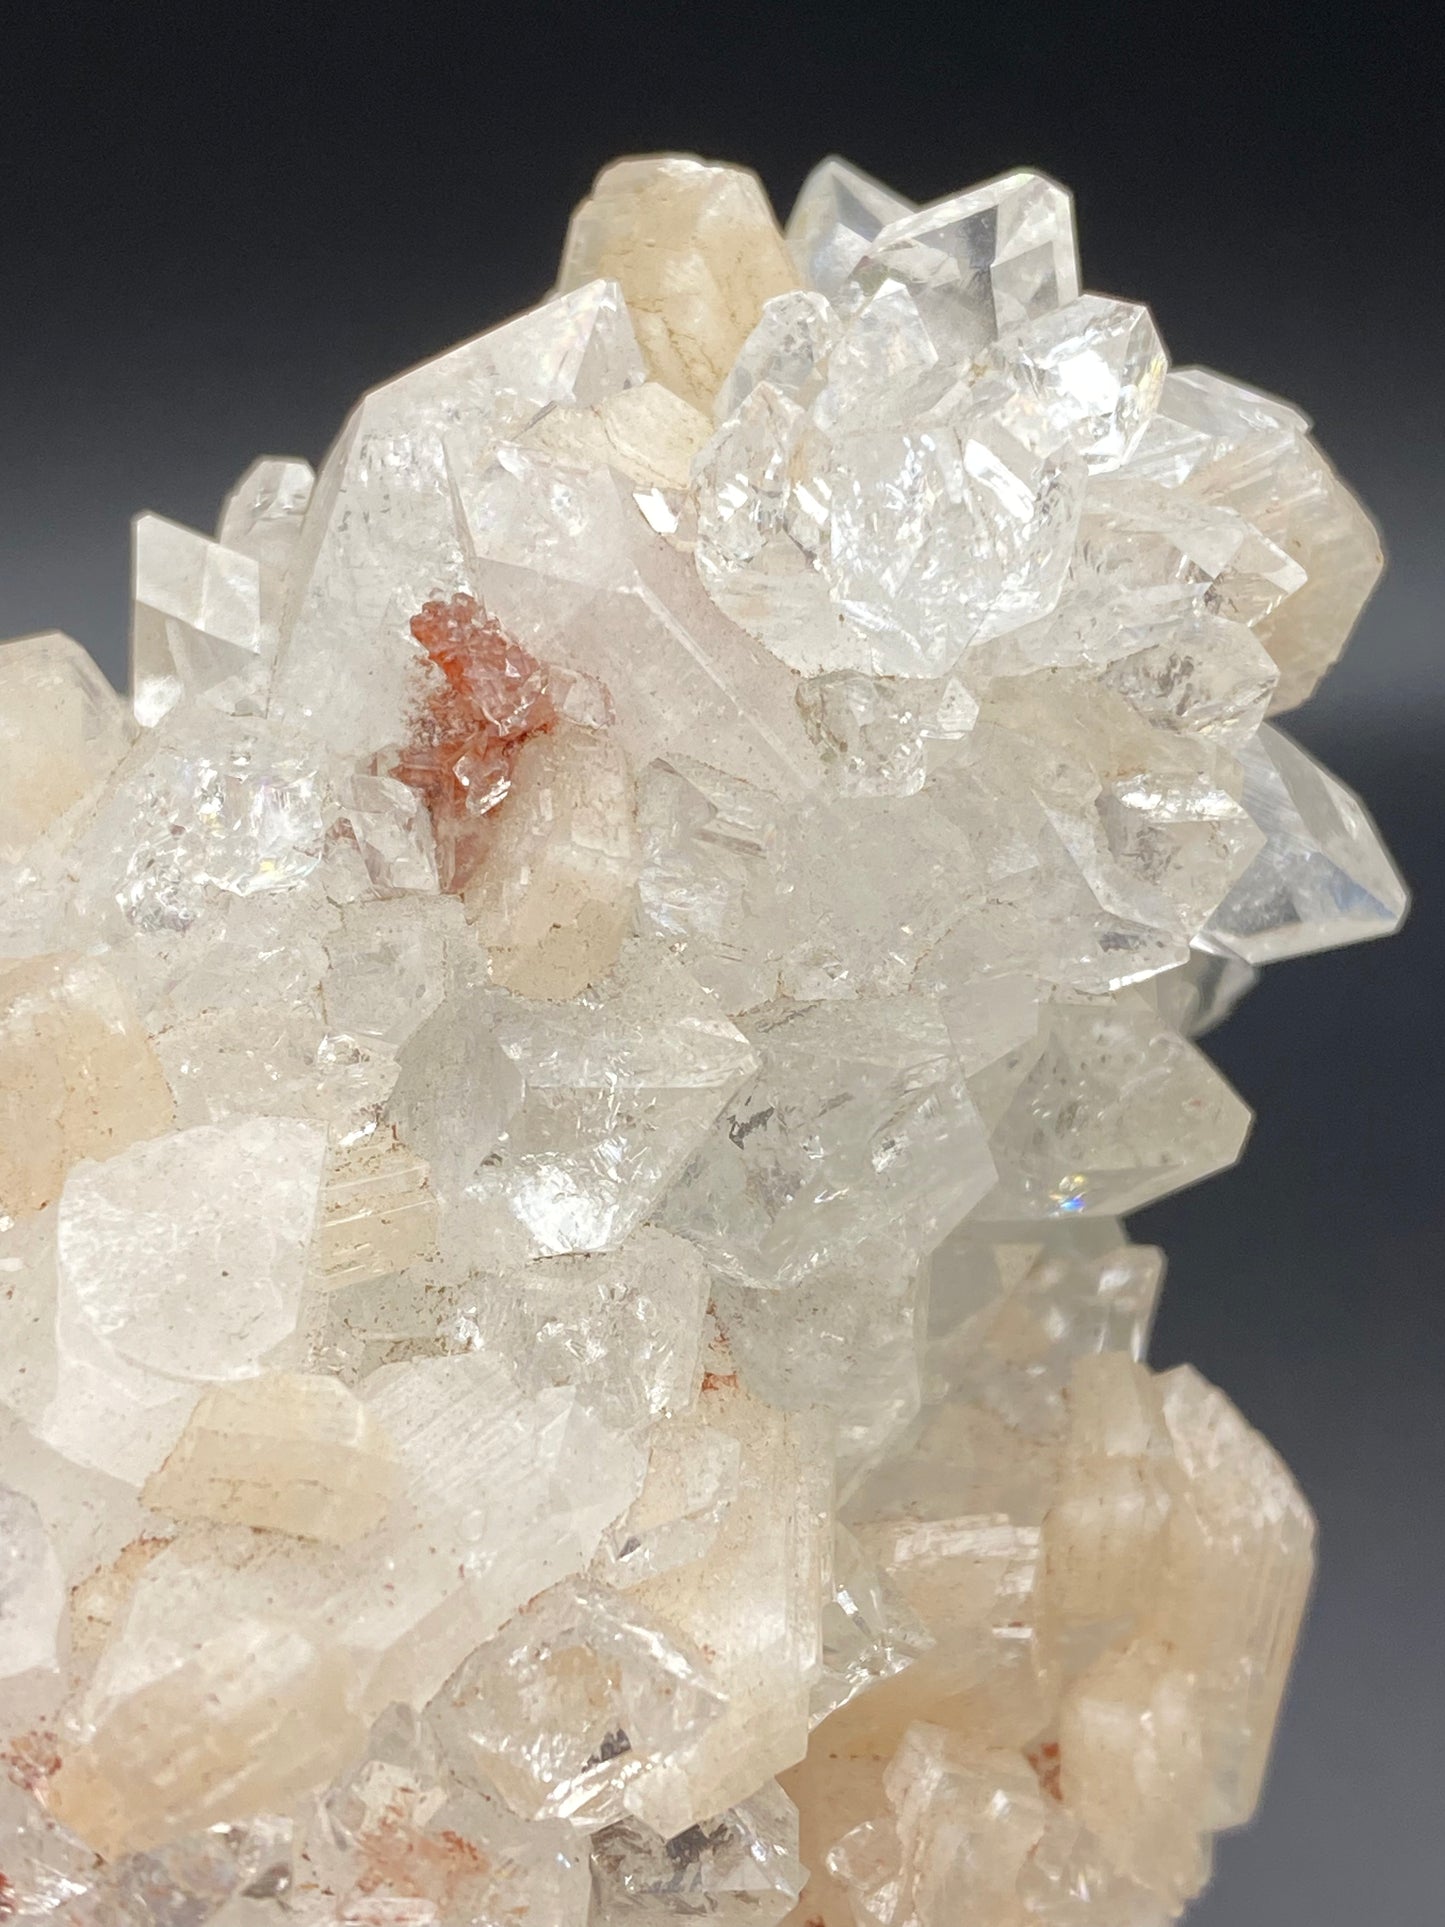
(216, 228)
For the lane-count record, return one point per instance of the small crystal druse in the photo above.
(569, 1070)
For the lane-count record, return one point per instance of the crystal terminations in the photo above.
(569, 1071)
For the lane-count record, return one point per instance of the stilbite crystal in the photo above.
(78, 1076)
(571, 1068)
(696, 252)
(282, 1452)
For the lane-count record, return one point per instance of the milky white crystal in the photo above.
(63, 729)
(570, 1070)
(187, 1254)
(32, 1589)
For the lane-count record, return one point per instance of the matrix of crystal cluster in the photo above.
(570, 1068)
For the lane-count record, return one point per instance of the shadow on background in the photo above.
(1308, 1283)
(217, 228)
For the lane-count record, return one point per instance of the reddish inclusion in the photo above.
(491, 696)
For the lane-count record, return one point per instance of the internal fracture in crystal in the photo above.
(571, 1064)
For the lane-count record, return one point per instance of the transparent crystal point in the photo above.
(838, 212)
(1230, 446)
(1012, 1307)
(400, 1839)
(197, 627)
(262, 517)
(620, 1086)
(1323, 878)
(1105, 1110)
(201, 806)
(981, 262)
(788, 349)
(870, 1633)
(941, 535)
(380, 533)
(1086, 377)
(623, 1326)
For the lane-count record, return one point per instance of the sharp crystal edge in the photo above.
(570, 1067)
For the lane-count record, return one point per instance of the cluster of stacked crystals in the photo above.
(569, 1071)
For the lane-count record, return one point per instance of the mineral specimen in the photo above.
(571, 1066)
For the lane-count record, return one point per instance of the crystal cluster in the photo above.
(570, 1066)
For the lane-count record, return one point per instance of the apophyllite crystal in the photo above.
(571, 1066)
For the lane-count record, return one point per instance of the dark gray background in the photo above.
(216, 227)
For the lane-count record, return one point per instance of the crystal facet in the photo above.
(570, 1067)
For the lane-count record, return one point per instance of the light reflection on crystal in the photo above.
(567, 1350)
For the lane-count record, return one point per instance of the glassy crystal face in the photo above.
(982, 262)
(570, 1068)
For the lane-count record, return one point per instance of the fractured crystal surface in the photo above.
(571, 1064)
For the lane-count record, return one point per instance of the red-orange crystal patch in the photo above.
(491, 696)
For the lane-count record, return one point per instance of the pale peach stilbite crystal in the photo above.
(79, 1076)
(283, 1452)
(696, 252)
(253, 1720)
(571, 1070)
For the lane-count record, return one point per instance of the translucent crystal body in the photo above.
(283, 1452)
(197, 629)
(696, 253)
(80, 1078)
(570, 1069)
(63, 729)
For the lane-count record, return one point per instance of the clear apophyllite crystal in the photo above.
(578, 1696)
(568, 1078)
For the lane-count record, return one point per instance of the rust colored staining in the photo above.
(31, 1759)
(1046, 1764)
(96, 1603)
(719, 1381)
(490, 697)
(439, 1867)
